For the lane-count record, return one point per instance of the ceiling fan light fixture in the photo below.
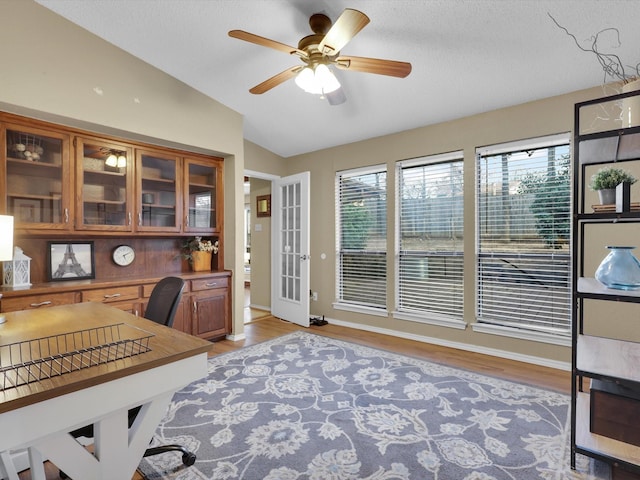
(122, 161)
(326, 79)
(317, 81)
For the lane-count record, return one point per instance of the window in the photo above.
(361, 215)
(524, 213)
(430, 257)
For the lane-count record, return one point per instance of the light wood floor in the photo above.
(270, 327)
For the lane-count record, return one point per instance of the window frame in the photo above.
(423, 316)
(556, 337)
(340, 303)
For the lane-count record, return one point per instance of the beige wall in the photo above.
(50, 68)
(543, 117)
(258, 159)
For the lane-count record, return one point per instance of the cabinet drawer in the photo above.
(209, 283)
(37, 301)
(148, 288)
(107, 295)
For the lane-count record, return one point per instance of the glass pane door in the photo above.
(157, 192)
(36, 165)
(103, 171)
(202, 188)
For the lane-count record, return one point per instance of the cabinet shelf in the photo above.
(608, 357)
(33, 197)
(202, 187)
(158, 206)
(104, 202)
(28, 168)
(162, 184)
(590, 287)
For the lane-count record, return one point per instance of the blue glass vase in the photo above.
(620, 269)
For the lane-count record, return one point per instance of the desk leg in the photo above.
(37, 466)
(118, 449)
(8, 466)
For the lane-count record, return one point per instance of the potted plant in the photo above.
(198, 252)
(605, 181)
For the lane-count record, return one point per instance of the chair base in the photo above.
(188, 458)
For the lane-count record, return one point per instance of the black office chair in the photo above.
(161, 309)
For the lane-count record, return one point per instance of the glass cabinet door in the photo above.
(158, 180)
(103, 173)
(37, 178)
(202, 191)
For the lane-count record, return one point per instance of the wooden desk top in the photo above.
(167, 345)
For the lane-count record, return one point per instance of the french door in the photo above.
(290, 248)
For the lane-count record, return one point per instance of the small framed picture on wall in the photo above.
(263, 206)
(70, 261)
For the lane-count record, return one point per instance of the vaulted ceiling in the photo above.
(468, 57)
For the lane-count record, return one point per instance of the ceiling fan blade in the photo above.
(266, 42)
(392, 68)
(276, 80)
(348, 24)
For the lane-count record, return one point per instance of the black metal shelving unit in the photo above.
(601, 139)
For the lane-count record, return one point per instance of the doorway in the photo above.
(257, 249)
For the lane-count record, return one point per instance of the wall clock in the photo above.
(123, 255)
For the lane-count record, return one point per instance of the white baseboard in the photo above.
(545, 362)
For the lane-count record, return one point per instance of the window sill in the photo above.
(347, 307)
(543, 337)
(431, 319)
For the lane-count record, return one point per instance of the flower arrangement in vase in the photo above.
(199, 252)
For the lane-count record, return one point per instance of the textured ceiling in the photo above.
(468, 57)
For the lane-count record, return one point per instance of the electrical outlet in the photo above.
(314, 296)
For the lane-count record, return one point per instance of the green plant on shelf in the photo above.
(610, 177)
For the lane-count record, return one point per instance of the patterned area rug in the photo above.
(304, 406)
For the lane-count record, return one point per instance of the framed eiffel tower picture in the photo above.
(70, 261)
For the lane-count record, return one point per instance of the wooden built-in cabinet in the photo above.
(209, 303)
(204, 308)
(65, 183)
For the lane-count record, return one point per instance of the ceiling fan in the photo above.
(320, 51)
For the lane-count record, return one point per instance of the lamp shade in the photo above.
(6, 237)
(318, 81)
(112, 160)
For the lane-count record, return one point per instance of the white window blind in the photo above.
(430, 266)
(524, 218)
(361, 213)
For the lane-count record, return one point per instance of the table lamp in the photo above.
(6, 244)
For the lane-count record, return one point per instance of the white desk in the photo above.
(39, 415)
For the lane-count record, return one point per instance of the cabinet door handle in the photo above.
(129, 218)
(139, 219)
(186, 220)
(195, 307)
(212, 284)
(113, 295)
(66, 215)
(41, 304)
